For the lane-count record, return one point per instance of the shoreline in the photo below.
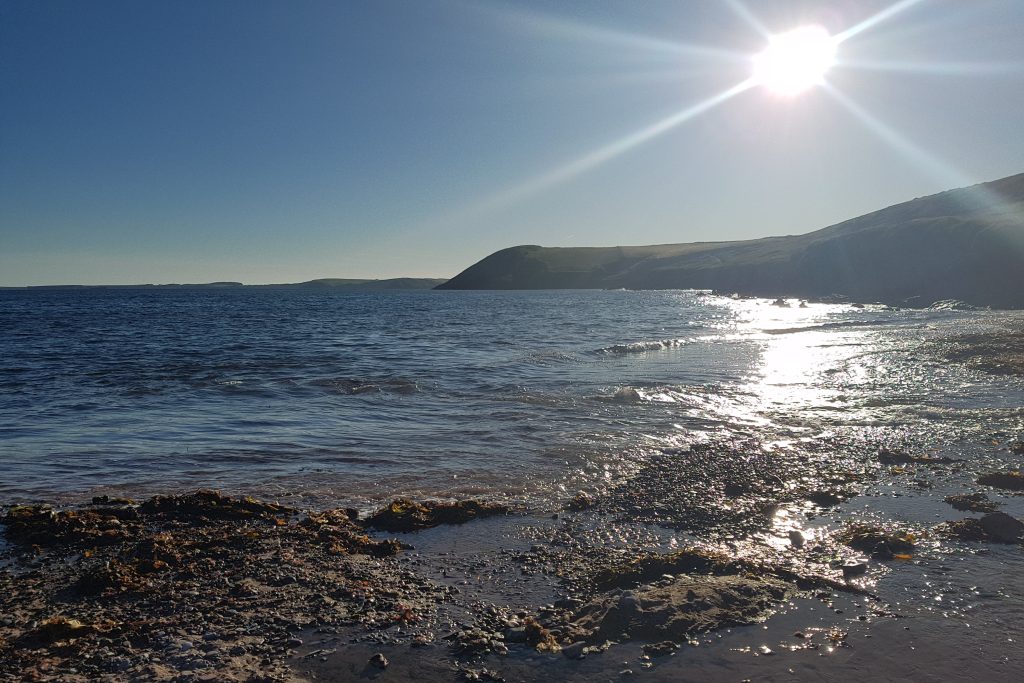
(844, 556)
(204, 586)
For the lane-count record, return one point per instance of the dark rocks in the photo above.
(852, 568)
(379, 661)
(972, 502)
(995, 527)
(825, 499)
(404, 514)
(44, 526)
(1002, 528)
(1011, 481)
(969, 529)
(887, 457)
(55, 630)
(203, 585)
(575, 651)
(212, 505)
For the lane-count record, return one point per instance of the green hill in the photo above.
(963, 244)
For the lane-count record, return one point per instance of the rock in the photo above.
(516, 635)
(574, 651)
(969, 529)
(581, 501)
(56, 629)
(972, 502)
(853, 568)
(796, 538)
(1011, 481)
(1002, 528)
(825, 499)
(210, 505)
(404, 514)
(379, 661)
(882, 551)
(867, 537)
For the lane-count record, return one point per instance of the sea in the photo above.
(339, 397)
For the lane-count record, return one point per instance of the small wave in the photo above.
(628, 394)
(351, 387)
(642, 346)
(827, 326)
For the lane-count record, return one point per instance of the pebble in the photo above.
(574, 651)
(379, 661)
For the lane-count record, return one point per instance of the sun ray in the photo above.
(743, 12)
(979, 198)
(587, 162)
(543, 23)
(937, 68)
(876, 19)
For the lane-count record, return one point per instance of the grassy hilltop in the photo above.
(964, 244)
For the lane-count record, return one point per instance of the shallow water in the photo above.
(350, 397)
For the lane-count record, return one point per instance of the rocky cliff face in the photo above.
(965, 244)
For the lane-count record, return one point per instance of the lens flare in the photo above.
(795, 61)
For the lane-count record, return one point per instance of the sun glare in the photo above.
(795, 61)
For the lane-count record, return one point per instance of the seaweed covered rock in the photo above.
(650, 567)
(206, 505)
(54, 630)
(44, 526)
(876, 539)
(995, 527)
(1011, 481)
(404, 514)
(888, 457)
(972, 502)
(342, 535)
(673, 609)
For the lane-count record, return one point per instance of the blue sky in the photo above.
(191, 141)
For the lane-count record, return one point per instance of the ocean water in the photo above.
(528, 396)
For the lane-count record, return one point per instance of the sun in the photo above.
(795, 61)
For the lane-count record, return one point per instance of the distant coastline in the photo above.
(323, 283)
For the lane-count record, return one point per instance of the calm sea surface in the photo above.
(521, 395)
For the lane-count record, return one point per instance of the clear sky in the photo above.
(190, 141)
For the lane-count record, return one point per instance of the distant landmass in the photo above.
(323, 283)
(965, 244)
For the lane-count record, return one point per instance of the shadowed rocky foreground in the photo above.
(205, 586)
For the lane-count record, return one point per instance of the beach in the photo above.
(768, 551)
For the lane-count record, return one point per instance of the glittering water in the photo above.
(355, 396)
